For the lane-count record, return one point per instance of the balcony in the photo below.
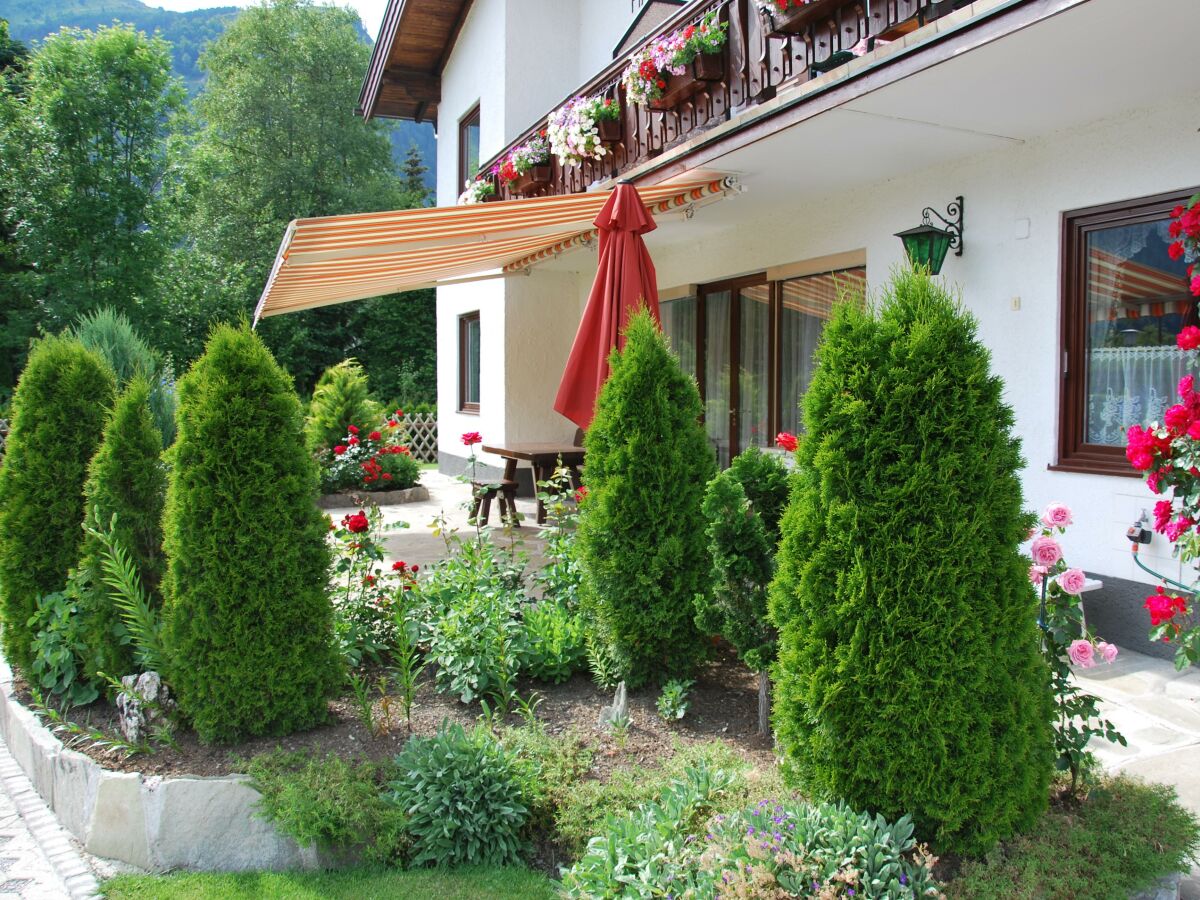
(759, 61)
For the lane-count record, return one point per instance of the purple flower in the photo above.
(903, 878)
(750, 830)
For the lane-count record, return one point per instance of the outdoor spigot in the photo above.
(1138, 533)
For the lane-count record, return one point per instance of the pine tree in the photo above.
(127, 479)
(340, 399)
(909, 678)
(249, 623)
(59, 408)
(641, 539)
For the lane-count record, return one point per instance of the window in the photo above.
(749, 342)
(1123, 301)
(468, 147)
(468, 363)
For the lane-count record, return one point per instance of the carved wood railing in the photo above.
(756, 63)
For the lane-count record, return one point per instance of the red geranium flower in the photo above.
(471, 438)
(661, 84)
(787, 441)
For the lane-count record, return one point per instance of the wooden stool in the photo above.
(482, 493)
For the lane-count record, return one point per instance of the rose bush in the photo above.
(1185, 236)
(378, 461)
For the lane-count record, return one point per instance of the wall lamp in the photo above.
(927, 244)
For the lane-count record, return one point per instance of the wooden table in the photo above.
(544, 458)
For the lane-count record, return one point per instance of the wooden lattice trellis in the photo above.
(422, 436)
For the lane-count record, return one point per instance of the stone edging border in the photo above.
(382, 498)
(153, 822)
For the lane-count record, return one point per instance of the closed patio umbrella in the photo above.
(624, 281)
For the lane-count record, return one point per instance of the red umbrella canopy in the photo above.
(625, 281)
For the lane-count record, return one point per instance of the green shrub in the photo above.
(641, 532)
(742, 507)
(461, 792)
(340, 399)
(249, 623)
(57, 419)
(58, 647)
(126, 479)
(554, 638)
(110, 334)
(331, 803)
(645, 852)
(552, 766)
(673, 701)
(909, 678)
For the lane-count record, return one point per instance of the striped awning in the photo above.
(336, 259)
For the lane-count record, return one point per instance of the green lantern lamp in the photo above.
(927, 244)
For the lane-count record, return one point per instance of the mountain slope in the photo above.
(31, 20)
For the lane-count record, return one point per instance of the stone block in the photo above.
(117, 826)
(21, 726)
(210, 824)
(76, 782)
(46, 748)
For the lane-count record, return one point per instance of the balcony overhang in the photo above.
(404, 77)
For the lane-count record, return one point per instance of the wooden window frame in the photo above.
(1074, 453)
(471, 118)
(464, 362)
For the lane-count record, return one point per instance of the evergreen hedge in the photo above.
(249, 623)
(909, 678)
(58, 415)
(340, 399)
(126, 478)
(643, 554)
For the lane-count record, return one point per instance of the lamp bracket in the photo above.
(952, 222)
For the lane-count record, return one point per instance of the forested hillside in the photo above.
(31, 20)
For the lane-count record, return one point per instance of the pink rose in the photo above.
(1082, 653)
(1107, 651)
(1072, 581)
(1045, 551)
(1036, 574)
(1057, 515)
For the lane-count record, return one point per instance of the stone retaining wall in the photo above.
(156, 823)
(383, 498)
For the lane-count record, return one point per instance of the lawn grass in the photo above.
(351, 884)
(1124, 836)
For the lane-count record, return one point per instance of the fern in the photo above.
(120, 575)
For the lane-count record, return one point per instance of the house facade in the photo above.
(1068, 128)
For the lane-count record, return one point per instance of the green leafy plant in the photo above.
(559, 578)
(555, 639)
(74, 734)
(58, 646)
(332, 803)
(125, 491)
(249, 622)
(900, 579)
(673, 701)
(405, 672)
(364, 700)
(552, 765)
(340, 399)
(742, 537)
(642, 549)
(606, 671)
(461, 793)
(57, 418)
(644, 853)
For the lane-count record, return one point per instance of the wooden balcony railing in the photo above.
(756, 64)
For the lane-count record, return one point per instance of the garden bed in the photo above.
(723, 707)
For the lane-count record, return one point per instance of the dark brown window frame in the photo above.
(464, 362)
(1074, 453)
(471, 118)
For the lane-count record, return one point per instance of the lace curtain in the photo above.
(1130, 386)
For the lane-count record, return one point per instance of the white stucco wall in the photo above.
(1133, 154)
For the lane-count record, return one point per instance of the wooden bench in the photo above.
(482, 493)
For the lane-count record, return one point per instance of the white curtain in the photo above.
(716, 372)
(1130, 386)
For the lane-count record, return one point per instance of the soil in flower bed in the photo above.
(723, 706)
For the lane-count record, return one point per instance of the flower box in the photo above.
(796, 19)
(610, 131)
(532, 181)
(705, 68)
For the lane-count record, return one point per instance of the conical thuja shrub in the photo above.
(909, 678)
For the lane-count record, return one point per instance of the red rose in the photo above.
(399, 566)
(1175, 251)
(353, 429)
(339, 449)
(387, 476)
(581, 494)
(1178, 211)
(369, 580)
(1175, 229)
(374, 436)
(353, 440)
(471, 438)
(1189, 338)
(415, 569)
(357, 522)
(400, 413)
(787, 441)
(1177, 418)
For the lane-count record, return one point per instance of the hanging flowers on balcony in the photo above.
(646, 76)
(479, 190)
(574, 129)
(523, 159)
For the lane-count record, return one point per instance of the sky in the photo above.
(370, 11)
